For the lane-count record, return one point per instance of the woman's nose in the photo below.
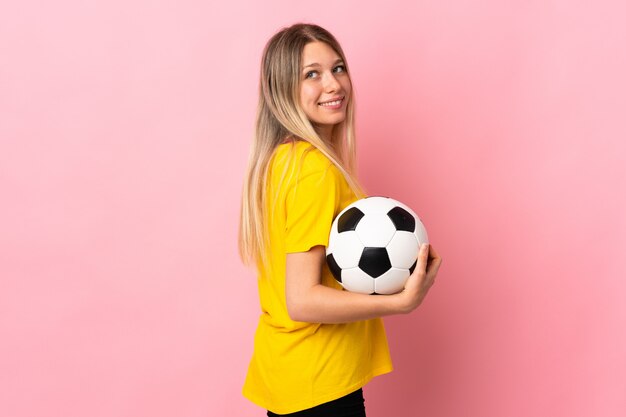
(331, 83)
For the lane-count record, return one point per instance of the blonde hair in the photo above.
(280, 116)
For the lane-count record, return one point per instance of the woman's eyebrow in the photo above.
(315, 64)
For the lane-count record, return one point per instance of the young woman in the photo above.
(316, 345)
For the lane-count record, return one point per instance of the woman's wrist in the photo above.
(399, 303)
(405, 302)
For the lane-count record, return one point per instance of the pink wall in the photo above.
(124, 129)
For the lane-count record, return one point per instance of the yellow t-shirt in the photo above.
(297, 365)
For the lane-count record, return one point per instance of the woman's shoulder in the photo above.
(303, 154)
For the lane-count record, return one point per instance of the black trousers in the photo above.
(352, 405)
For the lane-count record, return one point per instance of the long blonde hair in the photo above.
(280, 116)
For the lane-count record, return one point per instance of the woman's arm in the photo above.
(310, 301)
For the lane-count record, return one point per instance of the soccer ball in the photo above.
(373, 245)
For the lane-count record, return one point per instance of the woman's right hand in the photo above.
(422, 278)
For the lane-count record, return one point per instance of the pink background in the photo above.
(124, 133)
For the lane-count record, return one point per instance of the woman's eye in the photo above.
(343, 69)
(309, 73)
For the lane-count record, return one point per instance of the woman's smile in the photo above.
(333, 104)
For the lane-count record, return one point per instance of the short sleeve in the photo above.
(310, 209)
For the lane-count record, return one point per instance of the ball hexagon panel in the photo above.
(420, 232)
(403, 249)
(375, 230)
(354, 279)
(347, 249)
(391, 281)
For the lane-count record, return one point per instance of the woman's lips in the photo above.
(332, 104)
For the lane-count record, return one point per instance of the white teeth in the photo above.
(331, 103)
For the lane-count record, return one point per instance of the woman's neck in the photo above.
(326, 133)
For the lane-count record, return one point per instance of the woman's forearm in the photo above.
(322, 304)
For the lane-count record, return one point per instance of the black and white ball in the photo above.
(373, 245)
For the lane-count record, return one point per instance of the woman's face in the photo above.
(325, 87)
